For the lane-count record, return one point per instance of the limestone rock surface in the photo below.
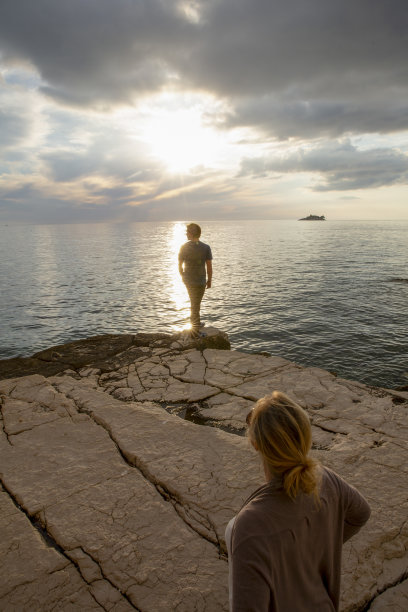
(120, 470)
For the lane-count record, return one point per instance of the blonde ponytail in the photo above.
(304, 478)
(280, 430)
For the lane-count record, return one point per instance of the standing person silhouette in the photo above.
(195, 267)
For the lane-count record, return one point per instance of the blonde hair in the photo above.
(280, 431)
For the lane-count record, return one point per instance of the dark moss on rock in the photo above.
(105, 352)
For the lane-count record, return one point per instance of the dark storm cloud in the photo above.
(307, 69)
(287, 118)
(291, 68)
(93, 51)
(258, 46)
(341, 166)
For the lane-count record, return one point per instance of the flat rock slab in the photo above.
(394, 599)
(112, 501)
(91, 502)
(35, 576)
(195, 467)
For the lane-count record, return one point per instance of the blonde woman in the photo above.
(285, 543)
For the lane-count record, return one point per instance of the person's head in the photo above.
(279, 429)
(193, 231)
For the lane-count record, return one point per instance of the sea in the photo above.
(330, 294)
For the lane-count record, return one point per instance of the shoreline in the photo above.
(87, 352)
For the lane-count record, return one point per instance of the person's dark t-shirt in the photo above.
(194, 255)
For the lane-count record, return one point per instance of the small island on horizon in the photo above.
(313, 218)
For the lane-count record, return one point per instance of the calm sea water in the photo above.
(331, 294)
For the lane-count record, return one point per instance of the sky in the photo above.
(165, 110)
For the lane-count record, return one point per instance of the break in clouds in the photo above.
(315, 75)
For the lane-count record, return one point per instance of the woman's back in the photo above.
(286, 554)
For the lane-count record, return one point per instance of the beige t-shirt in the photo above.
(286, 555)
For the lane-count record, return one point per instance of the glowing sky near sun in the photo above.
(145, 110)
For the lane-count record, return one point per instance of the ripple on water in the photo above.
(333, 296)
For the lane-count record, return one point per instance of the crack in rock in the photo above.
(333, 431)
(194, 414)
(3, 426)
(273, 371)
(78, 562)
(39, 523)
(161, 488)
(367, 605)
(345, 417)
(41, 530)
(138, 377)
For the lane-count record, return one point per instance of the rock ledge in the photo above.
(111, 501)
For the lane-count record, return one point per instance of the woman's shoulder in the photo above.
(335, 484)
(330, 479)
(252, 521)
(268, 506)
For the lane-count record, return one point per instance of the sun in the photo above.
(180, 139)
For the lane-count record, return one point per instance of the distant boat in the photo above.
(313, 218)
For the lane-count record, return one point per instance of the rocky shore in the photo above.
(122, 458)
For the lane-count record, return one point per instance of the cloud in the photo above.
(77, 146)
(209, 197)
(341, 166)
(262, 46)
(96, 51)
(285, 118)
(13, 128)
(297, 69)
(102, 158)
(16, 123)
(292, 68)
(295, 88)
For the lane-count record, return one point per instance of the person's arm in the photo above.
(357, 512)
(208, 263)
(180, 261)
(250, 588)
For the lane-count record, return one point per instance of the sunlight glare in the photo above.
(191, 10)
(180, 139)
(178, 292)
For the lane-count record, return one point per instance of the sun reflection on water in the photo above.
(177, 290)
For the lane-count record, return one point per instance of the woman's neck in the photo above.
(269, 474)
